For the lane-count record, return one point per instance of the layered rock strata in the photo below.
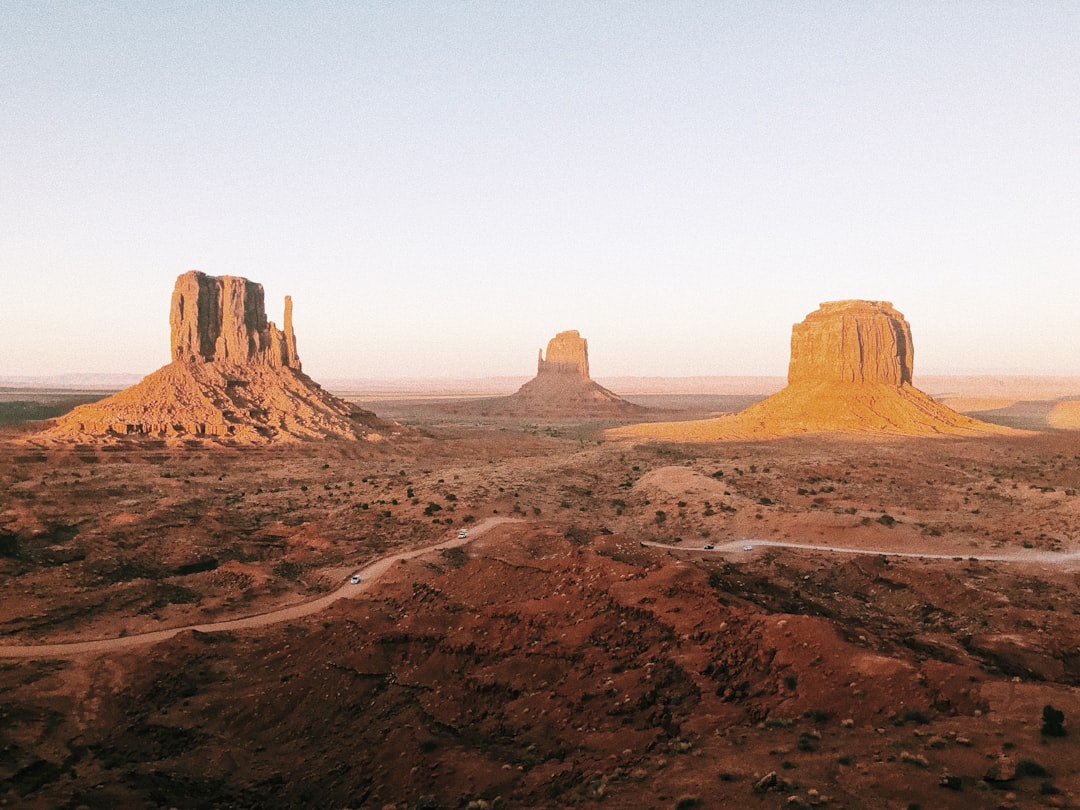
(234, 377)
(850, 372)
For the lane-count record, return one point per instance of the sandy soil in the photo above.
(551, 661)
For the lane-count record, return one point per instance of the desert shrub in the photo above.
(1029, 767)
(686, 802)
(915, 716)
(886, 520)
(287, 570)
(1053, 721)
(808, 741)
(914, 759)
(778, 722)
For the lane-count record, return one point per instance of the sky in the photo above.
(442, 187)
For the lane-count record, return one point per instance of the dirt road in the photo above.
(368, 576)
(748, 546)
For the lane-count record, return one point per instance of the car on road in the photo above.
(463, 534)
(747, 548)
(708, 547)
(355, 579)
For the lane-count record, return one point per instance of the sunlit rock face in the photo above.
(567, 353)
(852, 342)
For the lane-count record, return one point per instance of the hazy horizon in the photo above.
(442, 188)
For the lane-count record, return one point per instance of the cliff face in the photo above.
(234, 377)
(567, 353)
(852, 342)
(223, 318)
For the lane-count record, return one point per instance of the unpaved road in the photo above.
(1025, 556)
(368, 575)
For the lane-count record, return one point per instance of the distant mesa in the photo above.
(850, 371)
(234, 377)
(562, 387)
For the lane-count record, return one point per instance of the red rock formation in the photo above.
(223, 318)
(567, 353)
(234, 376)
(852, 342)
(850, 371)
(561, 388)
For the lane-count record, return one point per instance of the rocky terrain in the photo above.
(554, 661)
(850, 371)
(562, 387)
(234, 377)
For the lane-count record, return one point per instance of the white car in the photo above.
(747, 548)
(463, 534)
(708, 547)
(355, 579)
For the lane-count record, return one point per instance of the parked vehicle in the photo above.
(463, 534)
(708, 546)
(355, 579)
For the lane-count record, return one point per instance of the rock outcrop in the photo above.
(562, 387)
(234, 377)
(223, 318)
(850, 371)
(852, 342)
(567, 353)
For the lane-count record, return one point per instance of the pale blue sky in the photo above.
(443, 186)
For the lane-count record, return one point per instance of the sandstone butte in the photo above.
(850, 372)
(562, 387)
(234, 377)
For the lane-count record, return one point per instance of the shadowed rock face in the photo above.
(852, 342)
(223, 318)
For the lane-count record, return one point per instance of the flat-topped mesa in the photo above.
(866, 342)
(850, 372)
(223, 318)
(567, 353)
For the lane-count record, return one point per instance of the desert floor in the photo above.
(580, 648)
